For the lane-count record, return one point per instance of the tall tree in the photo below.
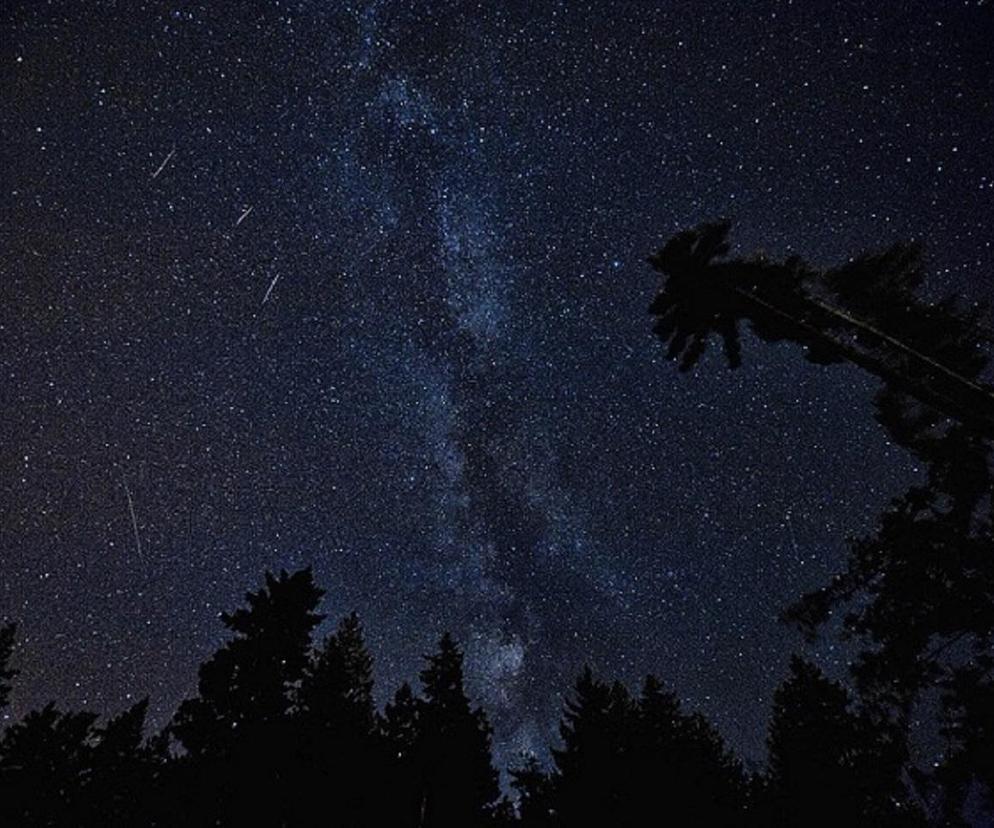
(536, 796)
(337, 689)
(337, 748)
(968, 726)
(459, 783)
(920, 591)
(593, 764)
(828, 765)
(121, 777)
(44, 764)
(251, 679)
(400, 731)
(623, 760)
(237, 731)
(682, 761)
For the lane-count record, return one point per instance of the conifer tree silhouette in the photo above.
(44, 765)
(968, 726)
(338, 749)
(681, 759)
(337, 689)
(237, 731)
(591, 765)
(827, 765)
(536, 797)
(458, 780)
(920, 591)
(121, 778)
(622, 759)
(400, 730)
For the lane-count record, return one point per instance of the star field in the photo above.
(363, 286)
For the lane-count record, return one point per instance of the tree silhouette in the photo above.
(251, 679)
(536, 796)
(867, 312)
(400, 729)
(237, 732)
(337, 749)
(682, 758)
(592, 765)
(309, 748)
(458, 780)
(122, 779)
(44, 765)
(621, 759)
(827, 765)
(969, 729)
(337, 689)
(920, 591)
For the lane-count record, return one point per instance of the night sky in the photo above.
(362, 286)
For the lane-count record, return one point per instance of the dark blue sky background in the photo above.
(383, 311)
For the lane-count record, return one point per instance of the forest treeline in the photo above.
(284, 731)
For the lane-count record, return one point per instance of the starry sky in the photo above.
(362, 286)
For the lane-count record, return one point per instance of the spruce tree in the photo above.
(593, 764)
(250, 680)
(337, 749)
(44, 765)
(400, 733)
(919, 590)
(828, 765)
(238, 732)
(459, 783)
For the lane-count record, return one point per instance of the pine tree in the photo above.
(536, 804)
(44, 763)
(827, 765)
(593, 764)
(337, 690)
(400, 733)
(919, 590)
(338, 750)
(238, 733)
(682, 762)
(968, 726)
(459, 783)
(120, 779)
(623, 760)
(250, 680)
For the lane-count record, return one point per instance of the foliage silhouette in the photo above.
(337, 746)
(920, 591)
(867, 312)
(238, 733)
(308, 748)
(623, 758)
(458, 780)
(44, 763)
(827, 765)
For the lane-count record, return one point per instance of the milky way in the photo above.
(363, 286)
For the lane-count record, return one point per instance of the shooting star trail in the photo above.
(131, 509)
(272, 284)
(244, 215)
(165, 161)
